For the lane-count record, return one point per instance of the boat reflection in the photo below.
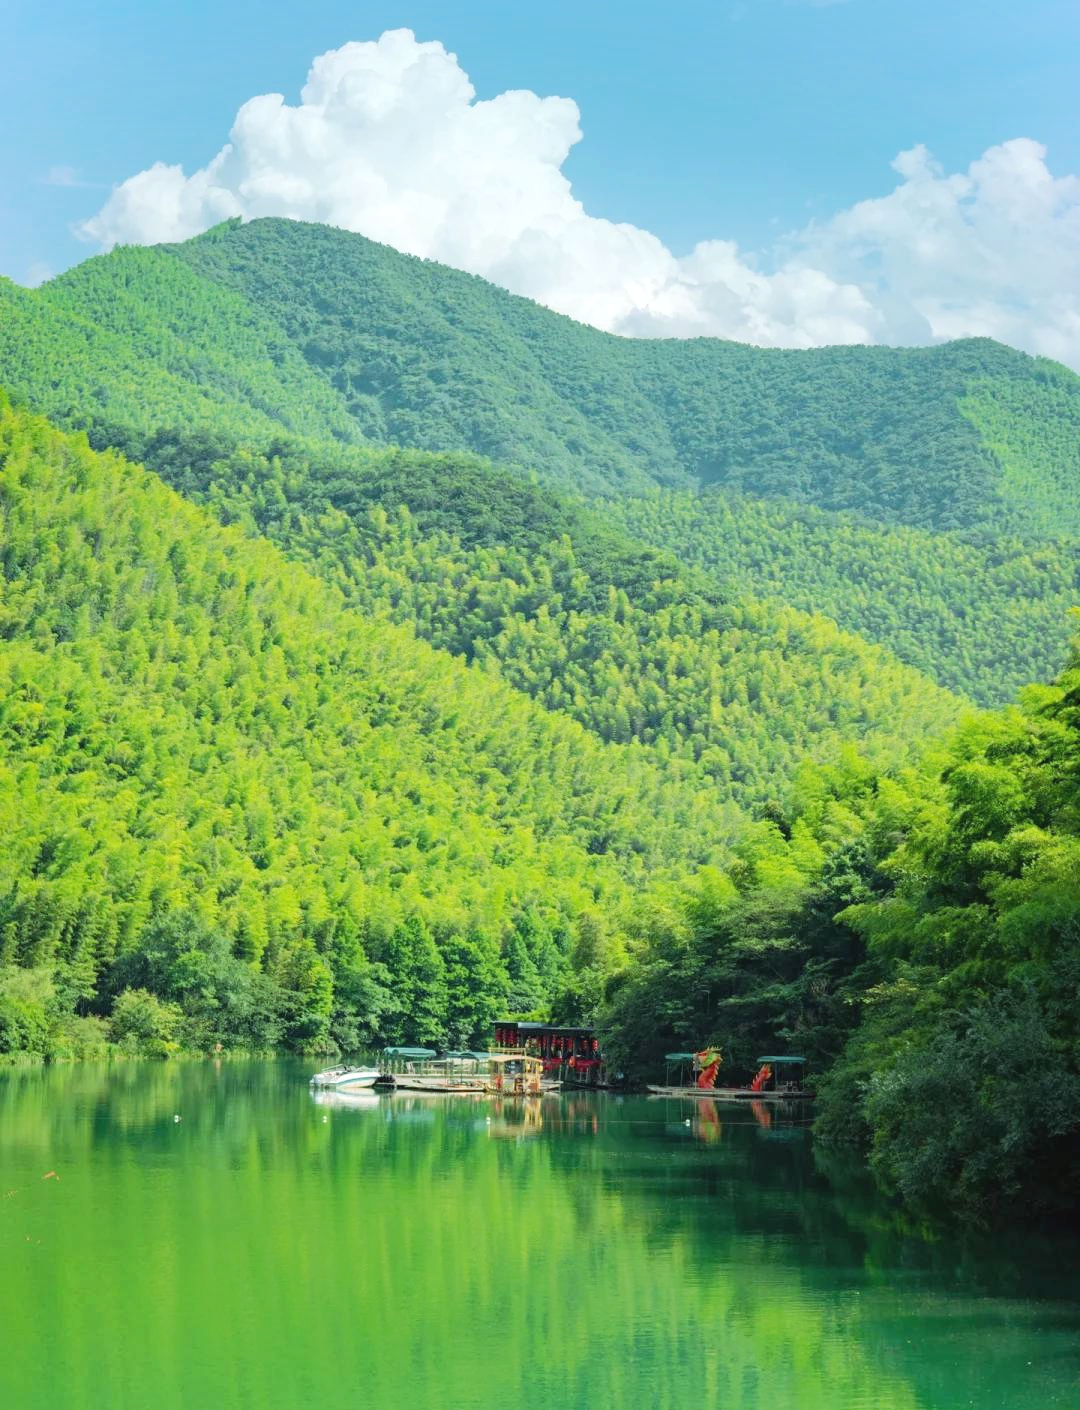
(515, 1120)
(363, 1100)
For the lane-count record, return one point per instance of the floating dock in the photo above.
(703, 1066)
(732, 1094)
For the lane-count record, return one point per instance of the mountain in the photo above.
(448, 655)
(924, 499)
(970, 433)
(967, 434)
(982, 615)
(153, 345)
(238, 811)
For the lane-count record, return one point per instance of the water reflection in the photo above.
(271, 1250)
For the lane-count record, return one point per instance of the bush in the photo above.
(26, 998)
(142, 1024)
(225, 1003)
(85, 1039)
(23, 1028)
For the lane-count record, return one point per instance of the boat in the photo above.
(571, 1055)
(346, 1078)
(423, 1070)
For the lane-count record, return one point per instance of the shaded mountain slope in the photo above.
(980, 615)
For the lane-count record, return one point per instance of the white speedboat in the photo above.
(344, 1078)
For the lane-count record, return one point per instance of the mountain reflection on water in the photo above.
(273, 1251)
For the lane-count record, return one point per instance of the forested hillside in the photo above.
(925, 500)
(982, 615)
(571, 613)
(976, 943)
(194, 732)
(477, 659)
(151, 346)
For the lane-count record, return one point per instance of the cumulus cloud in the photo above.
(991, 251)
(389, 139)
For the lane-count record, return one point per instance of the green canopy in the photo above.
(410, 1052)
(782, 1059)
(679, 1057)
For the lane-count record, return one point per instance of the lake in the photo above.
(268, 1252)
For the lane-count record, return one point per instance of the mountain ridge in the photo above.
(414, 353)
(209, 334)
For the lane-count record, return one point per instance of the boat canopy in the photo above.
(465, 1055)
(679, 1057)
(781, 1059)
(410, 1052)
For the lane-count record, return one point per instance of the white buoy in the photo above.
(176, 1118)
(686, 1122)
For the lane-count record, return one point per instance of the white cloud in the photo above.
(68, 176)
(389, 139)
(994, 250)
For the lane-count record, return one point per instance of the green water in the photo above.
(411, 1254)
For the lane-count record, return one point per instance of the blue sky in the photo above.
(738, 121)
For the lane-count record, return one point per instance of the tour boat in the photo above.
(515, 1073)
(344, 1078)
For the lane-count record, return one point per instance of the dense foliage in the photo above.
(327, 333)
(148, 344)
(980, 614)
(255, 329)
(426, 356)
(966, 1063)
(189, 724)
